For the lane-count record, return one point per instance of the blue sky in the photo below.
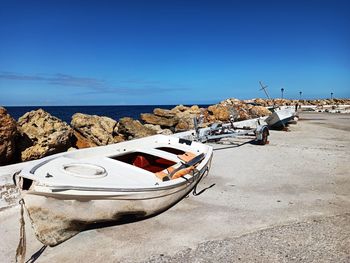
(171, 52)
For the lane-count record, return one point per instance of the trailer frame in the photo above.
(218, 131)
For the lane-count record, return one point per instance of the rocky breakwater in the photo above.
(177, 119)
(325, 102)
(240, 110)
(38, 134)
(42, 134)
(93, 130)
(180, 118)
(287, 102)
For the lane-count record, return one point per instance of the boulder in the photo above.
(179, 108)
(153, 127)
(261, 102)
(42, 134)
(259, 111)
(185, 117)
(82, 142)
(194, 109)
(157, 120)
(208, 117)
(221, 113)
(184, 125)
(166, 132)
(8, 135)
(93, 130)
(240, 114)
(231, 101)
(163, 113)
(131, 128)
(281, 102)
(158, 129)
(36, 151)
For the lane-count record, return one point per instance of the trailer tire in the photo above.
(265, 135)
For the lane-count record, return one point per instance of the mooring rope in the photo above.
(36, 255)
(194, 192)
(21, 248)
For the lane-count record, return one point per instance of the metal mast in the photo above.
(264, 88)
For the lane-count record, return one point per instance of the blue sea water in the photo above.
(65, 113)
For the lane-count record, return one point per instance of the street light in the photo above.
(331, 95)
(300, 95)
(282, 90)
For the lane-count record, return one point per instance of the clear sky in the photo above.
(170, 52)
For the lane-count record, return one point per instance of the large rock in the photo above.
(281, 102)
(179, 118)
(8, 134)
(186, 120)
(220, 112)
(241, 114)
(259, 111)
(194, 109)
(42, 134)
(134, 129)
(81, 141)
(261, 102)
(93, 130)
(207, 116)
(184, 116)
(180, 108)
(158, 129)
(231, 101)
(157, 120)
(164, 113)
(184, 125)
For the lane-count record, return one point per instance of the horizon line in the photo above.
(188, 104)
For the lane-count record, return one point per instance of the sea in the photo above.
(65, 113)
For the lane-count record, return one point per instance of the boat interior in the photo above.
(155, 164)
(145, 161)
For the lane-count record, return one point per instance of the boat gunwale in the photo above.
(62, 188)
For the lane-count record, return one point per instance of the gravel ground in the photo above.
(317, 240)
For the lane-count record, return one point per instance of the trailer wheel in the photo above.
(265, 135)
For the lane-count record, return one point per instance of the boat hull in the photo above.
(280, 117)
(58, 217)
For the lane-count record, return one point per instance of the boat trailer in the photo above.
(218, 131)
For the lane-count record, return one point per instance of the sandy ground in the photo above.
(284, 202)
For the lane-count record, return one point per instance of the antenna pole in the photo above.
(264, 88)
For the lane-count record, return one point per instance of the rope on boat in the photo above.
(21, 248)
(36, 255)
(201, 191)
(194, 192)
(14, 177)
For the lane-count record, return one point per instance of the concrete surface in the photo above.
(319, 240)
(284, 202)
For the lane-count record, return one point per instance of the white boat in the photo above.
(67, 193)
(280, 116)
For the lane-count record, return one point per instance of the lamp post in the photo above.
(331, 95)
(282, 90)
(300, 95)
